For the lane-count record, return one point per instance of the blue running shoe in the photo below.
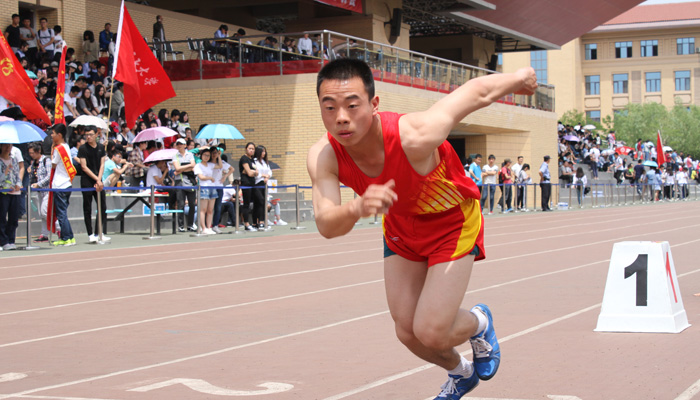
(487, 352)
(457, 386)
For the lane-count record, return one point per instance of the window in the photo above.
(619, 83)
(650, 48)
(593, 115)
(682, 80)
(653, 81)
(591, 51)
(500, 59)
(592, 85)
(538, 61)
(623, 49)
(685, 46)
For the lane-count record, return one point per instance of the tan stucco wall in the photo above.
(568, 68)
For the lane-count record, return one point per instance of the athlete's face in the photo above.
(347, 110)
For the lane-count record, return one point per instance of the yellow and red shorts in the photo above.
(436, 238)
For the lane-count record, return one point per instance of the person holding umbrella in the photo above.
(11, 184)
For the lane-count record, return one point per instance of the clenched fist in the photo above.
(377, 199)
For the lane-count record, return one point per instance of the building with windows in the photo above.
(647, 54)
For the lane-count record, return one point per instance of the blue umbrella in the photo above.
(650, 163)
(20, 132)
(219, 131)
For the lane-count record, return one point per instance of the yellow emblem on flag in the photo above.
(6, 66)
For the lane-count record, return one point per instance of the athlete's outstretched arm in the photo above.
(333, 218)
(423, 132)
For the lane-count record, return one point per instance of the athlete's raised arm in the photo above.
(333, 218)
(422, 132)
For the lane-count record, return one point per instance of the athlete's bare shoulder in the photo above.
(321, 160)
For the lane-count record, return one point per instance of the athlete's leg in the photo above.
(439, 322)
(424, 303)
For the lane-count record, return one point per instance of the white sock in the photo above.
(464, 368)
(483, 321)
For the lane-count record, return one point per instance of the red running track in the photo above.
(301, 317)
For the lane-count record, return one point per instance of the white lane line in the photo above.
(102, 252)
(325, 245)
(188, 288)
(59, 398)
(690, 392)
(181, 260)
(256, 262)
(366, 387)
(187, 314)
(424, 367)
(196, 356)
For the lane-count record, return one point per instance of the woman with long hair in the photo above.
(85, 104)
(100, 99)
(208, 195)
(91, 48)
(184, 124)
(163, 117)
(262, 174)
(580, 181)
(248, 174)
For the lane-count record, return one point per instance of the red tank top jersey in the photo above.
(444, 188)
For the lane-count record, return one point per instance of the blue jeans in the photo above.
(61, 200)
(217, 208)
(9, 218)
(490, 191)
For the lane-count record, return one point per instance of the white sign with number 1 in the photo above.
(642, 292)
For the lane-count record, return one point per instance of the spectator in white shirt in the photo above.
(305, 46)
(489, 178)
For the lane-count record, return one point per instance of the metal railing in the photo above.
(253, 56)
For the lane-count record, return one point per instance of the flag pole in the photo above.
(109, 110)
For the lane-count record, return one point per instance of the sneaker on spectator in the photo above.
(59, 242)
(490, 212)
(192, 228)
(216, 229)
(181, 229)
(92, 238)
(280, 222)
(69, 242)
(41, 238)
(105, 238)
(220, 226)
(251, 228)
(208, 231)
(9, 246)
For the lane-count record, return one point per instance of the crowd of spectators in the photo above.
(635, 164)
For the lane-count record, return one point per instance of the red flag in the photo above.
(15, 85)
(145, 81)
(58, 116)
(660, 156)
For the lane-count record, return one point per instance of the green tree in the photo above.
(575, 117)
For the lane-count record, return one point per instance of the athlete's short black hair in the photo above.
(344, 69)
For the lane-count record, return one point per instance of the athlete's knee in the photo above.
(432, 335)
(404, 332)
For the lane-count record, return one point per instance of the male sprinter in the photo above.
(402, 166)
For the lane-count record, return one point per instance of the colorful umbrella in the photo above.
(165, 154)
(572, 138)
(219, 131)
(16, 132)
(156, 133)
(650, 163)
